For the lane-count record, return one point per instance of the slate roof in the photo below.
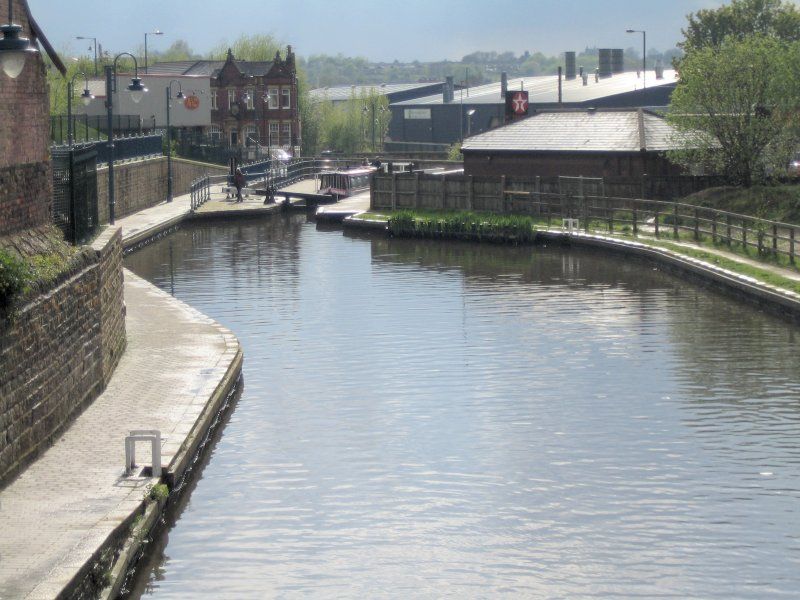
(611, 130)
(543, 89)
(343, 92)
(208, 68)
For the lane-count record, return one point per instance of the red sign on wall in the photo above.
(192, 102)
(516, 104)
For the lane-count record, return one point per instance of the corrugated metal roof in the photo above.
(544, 89)
(612, 130)
(344, 92)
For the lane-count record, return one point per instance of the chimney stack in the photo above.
(604, 63)
(448, 93)
(569, 65)
(617, 61)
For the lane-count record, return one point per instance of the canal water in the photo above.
(431, 420)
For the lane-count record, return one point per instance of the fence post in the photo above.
(714, 228)
(585, 211)
(635, 228)
(444, 192)
(470, 191)
(774, 240)
(610, 216)
(744, 236)
(503, 194)
(696, 226)
(791, 245)
(394, 191)
(728, 227)
(675, 221)
(416, 189)
(656, 220)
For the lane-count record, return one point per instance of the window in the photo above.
(215, 133)
(250, 135)
(213, 99)
(234, 137)
(231, 98)
(286, 97)
(273, 133)
(249, 98)
(273, 97)
(286, 130)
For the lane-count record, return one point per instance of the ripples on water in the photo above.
(455, 420)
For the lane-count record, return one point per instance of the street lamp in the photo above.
(156, 32)
(179, 96)
(13, 48)
(644, 54)
(137, 90)
(86, 98)
(94, 41)
(470, 112)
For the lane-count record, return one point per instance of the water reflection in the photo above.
(429, 420)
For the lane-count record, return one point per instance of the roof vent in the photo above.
(591, 110)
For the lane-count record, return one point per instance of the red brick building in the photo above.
(609, 143)
(251, 101)
(25, 172)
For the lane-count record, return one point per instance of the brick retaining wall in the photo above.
(142, 184)
(25, 179)
(58, 354)
(25, 196)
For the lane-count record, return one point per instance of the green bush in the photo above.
(13, 278)
(481, 227)
(156, 492)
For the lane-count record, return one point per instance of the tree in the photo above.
(57, 83)
(248, 47)
(179, 50)
(740, 18)
(736, 107)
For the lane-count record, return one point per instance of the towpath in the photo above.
(64, 506)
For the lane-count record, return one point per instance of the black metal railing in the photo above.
(75, 209)
(87, 128)
(200, 191)
(130, 148)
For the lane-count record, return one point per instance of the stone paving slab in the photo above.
(61, 509)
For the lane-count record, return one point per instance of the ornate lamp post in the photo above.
(644, 54)
(13, 48)
(86, 98)
(137, 90)
(179, 96)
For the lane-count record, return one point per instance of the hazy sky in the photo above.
(380, 30)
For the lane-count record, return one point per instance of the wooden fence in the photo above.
(585, 201)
